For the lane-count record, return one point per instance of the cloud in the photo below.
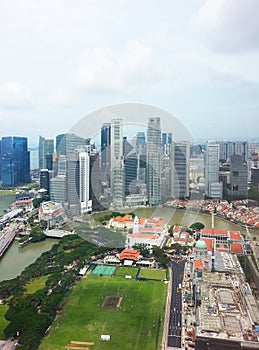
(128, 70)
(229, 25)
(13, 93)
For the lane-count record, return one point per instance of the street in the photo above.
(175, 323)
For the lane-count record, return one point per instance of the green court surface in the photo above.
(102, 270)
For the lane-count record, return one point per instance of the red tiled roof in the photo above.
(214, 231)
(129, 254)
(236, 248)
(144, 235)
(235, 236)
(209, 243)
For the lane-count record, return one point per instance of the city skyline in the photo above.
(195, 59)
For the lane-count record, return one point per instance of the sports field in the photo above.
(122, 271)
(136, 324)
(104, 270)
(152, 274)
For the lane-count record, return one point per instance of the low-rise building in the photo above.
(53, 213)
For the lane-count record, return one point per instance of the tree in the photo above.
(197, 226)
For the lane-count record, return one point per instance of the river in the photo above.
(5, 201)
(16, 259)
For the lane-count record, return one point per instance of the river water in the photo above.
(16, 259)
(5, 201)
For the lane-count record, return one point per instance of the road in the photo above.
(175, 322)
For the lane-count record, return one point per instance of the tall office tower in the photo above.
(141, 143)
(73, 176)
(106, 152)
(45, 180)
(141, 151)
(180, 165)
(238, 176)
(130, 166)
(46, 150)
(58, 189)
(213, 188)
(15, 161)
(153, 161)
(95, 181)
(58, 183)
(84, 182)
(117, 163)
(229, 148)
(166, 143)
(67, 143)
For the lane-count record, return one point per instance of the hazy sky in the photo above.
(196, 59)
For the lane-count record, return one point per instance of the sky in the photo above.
(62, 60)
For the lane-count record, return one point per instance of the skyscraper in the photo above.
(15, 161)
(180, 164)
(117, 163)
(238, 176)
(46, 150)
(213, 188)
(229, 148)
(84, 182)
(106, 152)
(67, 143)
(130, 164)
(153, 161)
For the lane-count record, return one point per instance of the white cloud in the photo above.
(229, 25)
(133, 68)
(13, 93)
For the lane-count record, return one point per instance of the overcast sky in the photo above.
(196, 59)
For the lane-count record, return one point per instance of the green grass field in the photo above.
(152, 274)
(36, 284)
(122, 271)
(137, 324)
(3, 322)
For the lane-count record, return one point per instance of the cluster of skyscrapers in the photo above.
(149, 170)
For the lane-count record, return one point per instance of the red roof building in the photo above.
(236, 248)
(129, 254)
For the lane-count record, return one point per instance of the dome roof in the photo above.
(200, 244)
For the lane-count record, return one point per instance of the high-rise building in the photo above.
(238, 176)
(130, 164)
(95, 181)
(213, 188)
(46, 150)
(15, 161)
(166, 143)
(67, 143)
(45, 176)
(229, 148)
(106, 152)
(153, 161)
(117, 163)
(84, 182)
(180, 165)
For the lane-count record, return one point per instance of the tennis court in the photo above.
(103, 270)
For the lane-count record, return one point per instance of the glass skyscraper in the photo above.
(15, 161)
